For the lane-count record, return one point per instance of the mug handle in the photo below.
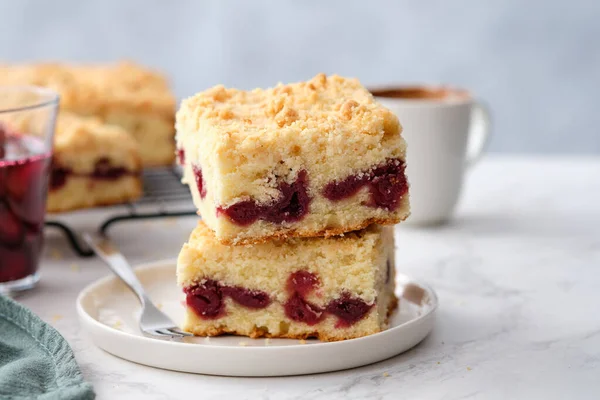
(479, 132)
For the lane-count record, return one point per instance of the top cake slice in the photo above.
(315, 158)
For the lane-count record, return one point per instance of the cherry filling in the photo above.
(292, 205)
(206, 299)
(181, 156)
(102, 171)
(302, 282)
(387, 184)
(58, 177)
(247, 298)
(298, 309)
(348, 309)
(199, 180)
(336, 191)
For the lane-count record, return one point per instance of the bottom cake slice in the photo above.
(332, 288)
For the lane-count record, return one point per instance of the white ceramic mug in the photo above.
(446, 131)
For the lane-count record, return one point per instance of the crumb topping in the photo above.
(94, 88)
(77, 135)
(328, 104)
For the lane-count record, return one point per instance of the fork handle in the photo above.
(104, 248)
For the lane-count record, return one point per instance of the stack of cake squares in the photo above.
(115, 119)
(297, 187)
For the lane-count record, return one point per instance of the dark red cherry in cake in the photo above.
(248, 298)
(387, 184)
(199, 180)
(181, 156)
(339, 190)
(300, 310)
(104, 170)
(242, 213)
(292, 205)
(58, 177)
(302, 282)
(206, 299)
(348, 309)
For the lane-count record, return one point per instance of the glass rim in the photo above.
(48, 97)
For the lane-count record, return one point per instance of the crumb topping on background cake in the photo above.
(93, 88)
(77, 135)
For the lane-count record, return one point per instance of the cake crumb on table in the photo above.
(57, 317)
(267, 341)
(55, 254)
(469, 369)
(385, 374)
(302, 341)
(243, 344)
(170, 221)
(75, 267)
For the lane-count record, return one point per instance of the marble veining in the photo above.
(517, 273)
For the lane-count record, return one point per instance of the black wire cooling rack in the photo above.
(162, 189)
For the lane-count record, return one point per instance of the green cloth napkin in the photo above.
(35, 360)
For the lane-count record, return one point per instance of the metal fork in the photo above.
(153, 322)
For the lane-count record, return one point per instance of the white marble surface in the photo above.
(517, 273)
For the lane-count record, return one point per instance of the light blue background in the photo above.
(537, 63)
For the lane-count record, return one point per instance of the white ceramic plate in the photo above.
(109, 311)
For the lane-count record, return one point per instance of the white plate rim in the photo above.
(247, 350)
(157, 264)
